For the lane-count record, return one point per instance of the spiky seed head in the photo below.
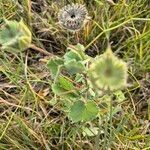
(73, 17)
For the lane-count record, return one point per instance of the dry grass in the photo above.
(28, 118)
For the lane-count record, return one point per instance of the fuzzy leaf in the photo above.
(81, 111)
(119, 96)
(64, 88)
(74, 67)
(75, 59)
(54, 66)
(78, 52)
(91, 110)
(72, 55)
(65, 83)
(76, 111)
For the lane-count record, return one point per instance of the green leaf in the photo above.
(53, 101)
(81, 111)
(77, 52)
(91, 110)
(136, 137)
(65, 88)
(78, 47)
(99, 2)
(72, 55)
(76, 111)
(75, 59)
(81, 51)
(66, 83)
(79, 78)
(66, 104)
(119, 96)
(74, 67)
(147, 143)
(54, 66)
(57, 89)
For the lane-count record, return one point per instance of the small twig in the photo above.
(2, 101)
(40, 50)
(77, 36)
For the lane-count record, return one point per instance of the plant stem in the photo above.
(40, 50)
(105, 134)
(98, 135)
(111, 123)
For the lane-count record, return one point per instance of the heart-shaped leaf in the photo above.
(81, 111)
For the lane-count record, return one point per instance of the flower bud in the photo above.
(15, 36)
(108, 72)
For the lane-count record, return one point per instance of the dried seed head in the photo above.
(73, 17)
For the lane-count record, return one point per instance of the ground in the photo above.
(28, 118)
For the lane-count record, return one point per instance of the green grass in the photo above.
(29, 120)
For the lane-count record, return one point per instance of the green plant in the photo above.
(30, 113)
(79, 81)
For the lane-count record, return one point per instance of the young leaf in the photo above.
(57, 89)
(81, 51)
(72, 55)
(79, 78)
(119, 96)
(76, 52)
(75, 60)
